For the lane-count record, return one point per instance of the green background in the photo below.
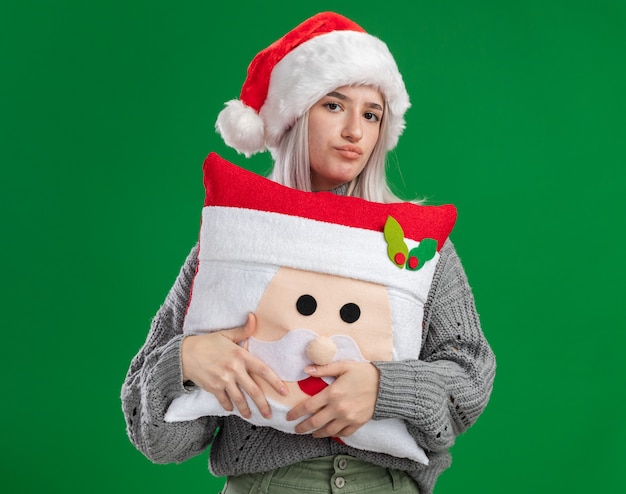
(107, 111)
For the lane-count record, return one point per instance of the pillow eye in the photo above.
(350, 313)
(306, 305)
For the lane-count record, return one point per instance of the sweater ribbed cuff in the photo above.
(167, 375)
(410, 390)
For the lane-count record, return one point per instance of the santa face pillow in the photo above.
(328, 277)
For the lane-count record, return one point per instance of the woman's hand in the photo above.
(216, 363)
(342, 407)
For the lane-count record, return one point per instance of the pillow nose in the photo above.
(321, 350)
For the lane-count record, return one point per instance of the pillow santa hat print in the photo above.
(328, 277)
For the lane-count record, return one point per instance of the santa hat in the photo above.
(285, 79)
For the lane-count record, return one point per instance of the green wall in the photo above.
(107, 111)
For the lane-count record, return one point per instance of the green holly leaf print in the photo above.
(419, 255)
(397, 250)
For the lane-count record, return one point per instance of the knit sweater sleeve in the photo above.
(442, 394)
(154, 379)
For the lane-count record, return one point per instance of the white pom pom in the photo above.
(241, 128)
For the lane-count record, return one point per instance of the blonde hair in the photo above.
(292, 167)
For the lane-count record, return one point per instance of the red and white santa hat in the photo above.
(285, 79)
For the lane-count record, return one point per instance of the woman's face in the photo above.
(343, 130)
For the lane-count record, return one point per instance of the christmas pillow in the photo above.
(328, 277)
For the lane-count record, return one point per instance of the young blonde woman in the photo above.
(328, 101)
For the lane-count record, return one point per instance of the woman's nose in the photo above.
(353, 130)
(321, 350)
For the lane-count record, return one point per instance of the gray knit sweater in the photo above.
(438, 396)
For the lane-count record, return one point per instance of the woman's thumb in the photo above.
(243, 332)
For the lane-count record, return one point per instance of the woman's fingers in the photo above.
(257, 396)
(234, 381)
(224, 400)
(344, 406)
(239, 400)
(261, 370)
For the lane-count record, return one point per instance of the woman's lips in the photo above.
(350, 152)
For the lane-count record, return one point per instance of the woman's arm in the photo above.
(442, 394)
(155, 379)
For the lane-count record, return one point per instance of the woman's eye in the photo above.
(333, 106)
(372, 117)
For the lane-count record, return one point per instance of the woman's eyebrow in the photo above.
(335, 94)
(374, 106)
(343, 97)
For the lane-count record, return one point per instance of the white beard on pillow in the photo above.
(325, 285)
